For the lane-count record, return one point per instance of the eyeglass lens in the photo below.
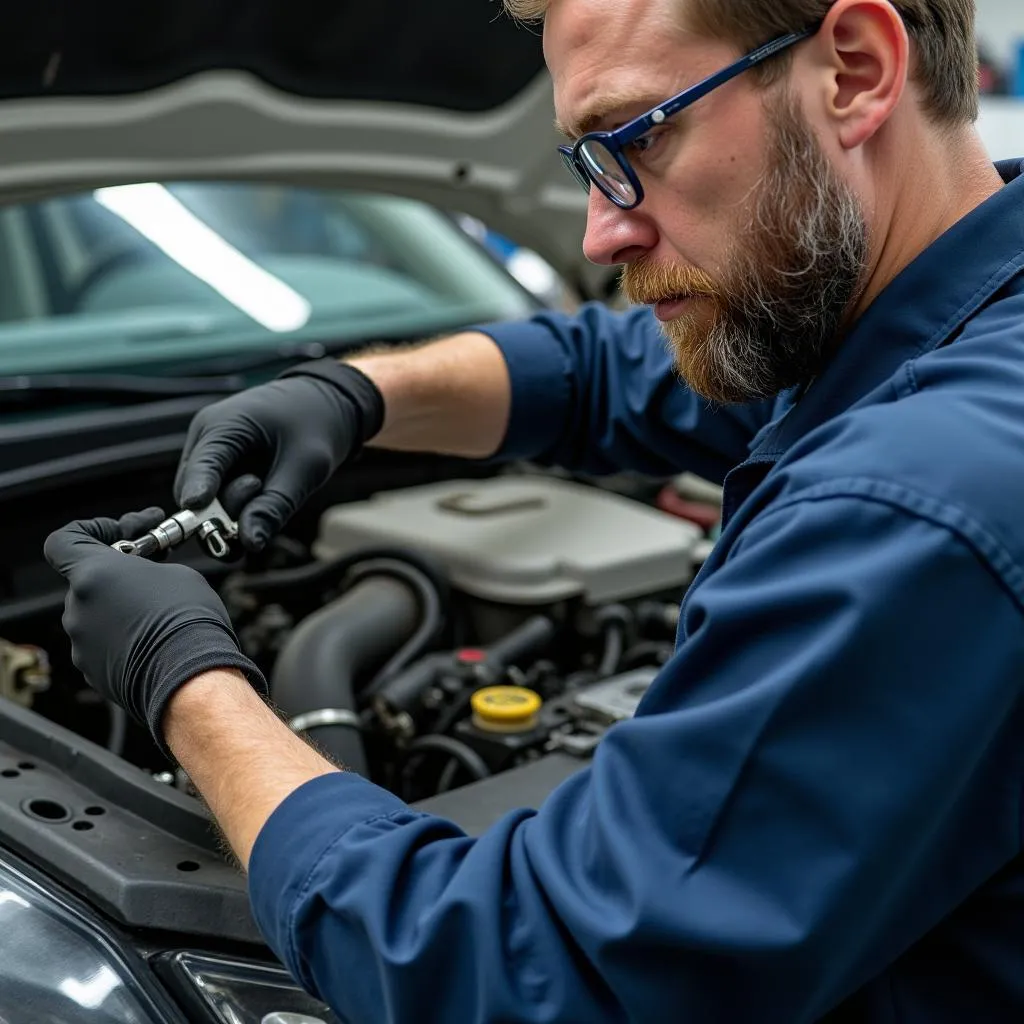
(607, 171)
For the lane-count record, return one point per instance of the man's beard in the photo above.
(796, 270)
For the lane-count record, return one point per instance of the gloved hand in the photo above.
(140, 629)
(294, 432)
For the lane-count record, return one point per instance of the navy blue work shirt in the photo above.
(817, 810)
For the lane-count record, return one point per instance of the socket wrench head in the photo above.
(144, 547)
(216, 530)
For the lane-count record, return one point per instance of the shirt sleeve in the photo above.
(828, 767)
(597, 393)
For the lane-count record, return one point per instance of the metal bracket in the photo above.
(24, 672)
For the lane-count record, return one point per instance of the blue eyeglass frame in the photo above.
(616, 141)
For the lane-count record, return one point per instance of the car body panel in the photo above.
(466, 126)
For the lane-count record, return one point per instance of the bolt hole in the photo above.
(47, 810)
(188, 865)
(10, 773)
(95, 811)
(26, 766)
(461, 173)
(83, 826)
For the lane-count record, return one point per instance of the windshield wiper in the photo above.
(262, 359)
(265, 358)
(212, 375)
(47, 389)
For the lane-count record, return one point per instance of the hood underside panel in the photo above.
(445, 101)
(462, 55)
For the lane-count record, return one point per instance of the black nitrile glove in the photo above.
(140, 629)
(293, 432)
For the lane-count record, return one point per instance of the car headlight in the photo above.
(55, 966)
(233, 992)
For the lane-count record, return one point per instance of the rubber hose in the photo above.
(464, 754)
(432, 617)
(330, 573)
(614, 645)
(524, 641)
(330, 650)
(615, 622)
(403, 692)
(645, 652)
(118, 729)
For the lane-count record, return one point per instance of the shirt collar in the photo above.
(924, 306)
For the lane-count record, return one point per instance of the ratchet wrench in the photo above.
(215, 528)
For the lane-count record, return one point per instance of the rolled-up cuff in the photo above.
(541, 377)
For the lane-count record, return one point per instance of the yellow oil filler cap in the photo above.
(505, 708)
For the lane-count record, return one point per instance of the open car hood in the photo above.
(445, 102)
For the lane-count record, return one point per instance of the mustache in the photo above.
(646, 283)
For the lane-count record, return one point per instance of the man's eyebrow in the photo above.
(604, 109)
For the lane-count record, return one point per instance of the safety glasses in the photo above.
(599, 158)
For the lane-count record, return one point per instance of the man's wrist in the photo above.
(450, 396)
(218, 680)
(236, 751)
(215, 693)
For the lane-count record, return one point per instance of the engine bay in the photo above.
(443, 634)
(464, 641)
(433, 636)
(429, 637)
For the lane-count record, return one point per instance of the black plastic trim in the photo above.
(126, 862)
(478, 806)
(26, 442)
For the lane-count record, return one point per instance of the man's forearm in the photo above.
(452, 396)
(238, 754)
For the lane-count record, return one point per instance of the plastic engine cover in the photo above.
(523, 540)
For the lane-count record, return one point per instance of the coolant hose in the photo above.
(403, 692)
(615, 622)
(315, 676)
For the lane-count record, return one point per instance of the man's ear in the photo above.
(866, 50)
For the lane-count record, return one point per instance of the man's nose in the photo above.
(614, 235)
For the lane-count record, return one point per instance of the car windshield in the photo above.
(152, 276)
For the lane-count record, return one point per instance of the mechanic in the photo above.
(817, 809)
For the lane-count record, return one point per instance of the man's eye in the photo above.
(645, 144)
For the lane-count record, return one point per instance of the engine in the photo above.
(446, 634)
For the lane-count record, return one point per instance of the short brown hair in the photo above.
(941, 31)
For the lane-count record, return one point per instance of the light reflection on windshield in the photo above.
(137, 278)
(171, 227)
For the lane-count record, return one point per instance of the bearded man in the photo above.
(816, 811)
